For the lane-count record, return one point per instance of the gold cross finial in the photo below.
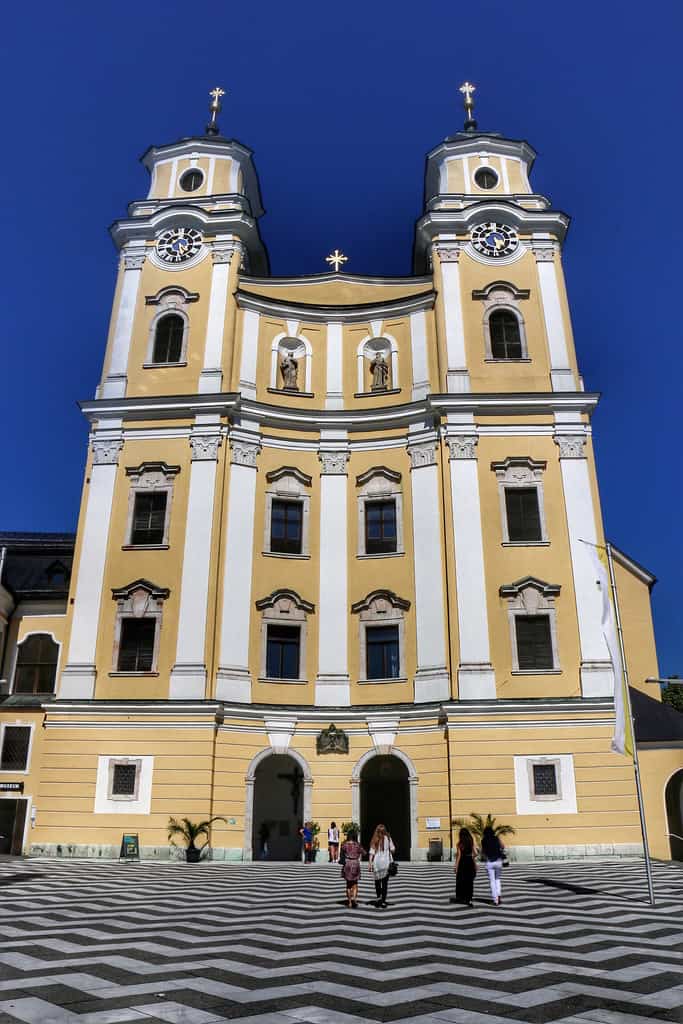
(214, 109)
(336, 259)
(467, 88)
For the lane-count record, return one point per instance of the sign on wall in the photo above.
(11, 787)
(433, 822)
(130, 847)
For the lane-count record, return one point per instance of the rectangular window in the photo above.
(282, 655)
(380, 527)
(136, 647)
(15, 743)
(124, 780)
(286, 519)
(534, 642)
(523, 515)
(149, 517)
(382, 652)
(544, 778)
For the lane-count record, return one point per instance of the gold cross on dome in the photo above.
(467, 89)
(216, 94)
(336, 259)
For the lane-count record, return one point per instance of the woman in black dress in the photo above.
(465, 867)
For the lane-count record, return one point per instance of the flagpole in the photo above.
(636, 764)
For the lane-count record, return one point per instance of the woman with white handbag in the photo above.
(382, 850)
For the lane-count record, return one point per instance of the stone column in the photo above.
(332, 687)
(188, 675)
(78, 676)
(561, 374)
(334, 397)
(114, 384)
(233, 676)
(211, 378)
(597, 676)
(431, 678)
(476, 679)
(458, 378)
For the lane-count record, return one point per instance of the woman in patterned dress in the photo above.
(352, 852)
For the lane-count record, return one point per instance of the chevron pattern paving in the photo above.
(94, 943)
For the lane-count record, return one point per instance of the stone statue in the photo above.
(380, 372)
(332, 741)
(289, 368)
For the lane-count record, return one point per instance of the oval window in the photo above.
(191, 180)
(486, 177)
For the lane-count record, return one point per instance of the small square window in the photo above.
(283, 652)
(124, 779)
(15, 745)
(136, 647)
(286, 522)
(534, 643)
(149, 517)
(382, 645)
(380, 527)
(544, 777)
(523, 515)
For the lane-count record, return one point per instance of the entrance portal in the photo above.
(12, 822)
(385, 799)
(278, 808)
(674, 814)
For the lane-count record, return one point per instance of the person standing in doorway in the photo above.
(493, 851)
(352, 852)
(382, 850)
(264, 836)
(333, 843)
(306, 834)
(465, 868)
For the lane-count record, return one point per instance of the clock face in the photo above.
(494, 240)
(178, 244)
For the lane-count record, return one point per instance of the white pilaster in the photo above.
(597, 676)
(458, 378)
(431, 678)
(561, 375)
(418, 347)
(233, 676)
(78, 676)
(334, 397)
(249, 353)
(211, 378)
(188, 675)
(476, 679)
(332, 688)
(114, 384)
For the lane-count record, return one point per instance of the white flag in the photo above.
(622, 741)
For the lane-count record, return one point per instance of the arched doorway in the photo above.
(385, 798)
(673, 796)
(278, 807)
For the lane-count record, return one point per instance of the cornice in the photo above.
(288, 282)
(320, 313)
(466, 144)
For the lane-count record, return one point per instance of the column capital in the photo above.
(544, 250)
(448, 252)
(572, 446)
(134, 254)
(223, 251)
(106, 453)
(244, 453)
(333, 463)
(422, 454)
(463, 447)
(205, 447)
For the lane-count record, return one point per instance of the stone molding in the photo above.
(544, 252)
(134, 256)
(244, 453)
(106, 453)
(447, 253)
(222, 252)
(333, 463)
(464, 447)
(421, 455)
(572, 446)
(205, 446)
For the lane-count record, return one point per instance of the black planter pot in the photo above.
(192, 855)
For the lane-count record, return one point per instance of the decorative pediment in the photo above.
(378, 598)
(519, 470)
(289, 471)
(152, 473)
(332, 741)
(509, 290)
(384, 472)
(125, 593)
(281, 598)
(530, 595)
(172, 295)
(530, 583)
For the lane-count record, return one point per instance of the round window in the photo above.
(486, 177)
(191, 180)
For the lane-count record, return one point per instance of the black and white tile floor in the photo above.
(93, 943)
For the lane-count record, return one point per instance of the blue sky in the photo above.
(340, 103)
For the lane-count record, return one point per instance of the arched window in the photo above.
(506, 340)
(36, 664)
(168, 339)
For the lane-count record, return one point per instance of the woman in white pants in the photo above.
(492, 851)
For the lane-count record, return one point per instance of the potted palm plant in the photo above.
(190, 831)
(477, 823)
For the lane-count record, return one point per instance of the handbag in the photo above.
(506, 862)
(393, 869)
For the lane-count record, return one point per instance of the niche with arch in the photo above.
(290, 365)
(377, 363)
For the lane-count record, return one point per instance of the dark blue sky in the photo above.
(340, 102)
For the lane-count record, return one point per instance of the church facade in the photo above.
(333, 554)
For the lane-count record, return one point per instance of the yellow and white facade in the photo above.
(480, 399)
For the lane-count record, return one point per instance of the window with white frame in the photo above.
(168, 338)
(35, 670)
(545, 784)
(124, 779)
(533, 625)
(137, 627)
(381, 623)
(520, 488)
(377, 359)
(380, 512)
(503, 322)
(287, 512)
(15, 747)
(124, 784)
(149, 504)
(283, 636)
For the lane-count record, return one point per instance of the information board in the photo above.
(130, 847)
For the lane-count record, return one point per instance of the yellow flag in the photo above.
(622, 740)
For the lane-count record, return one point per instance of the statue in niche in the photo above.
(380, 372)
(289, 368)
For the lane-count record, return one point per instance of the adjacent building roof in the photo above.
(656, 722)
(36, 566)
